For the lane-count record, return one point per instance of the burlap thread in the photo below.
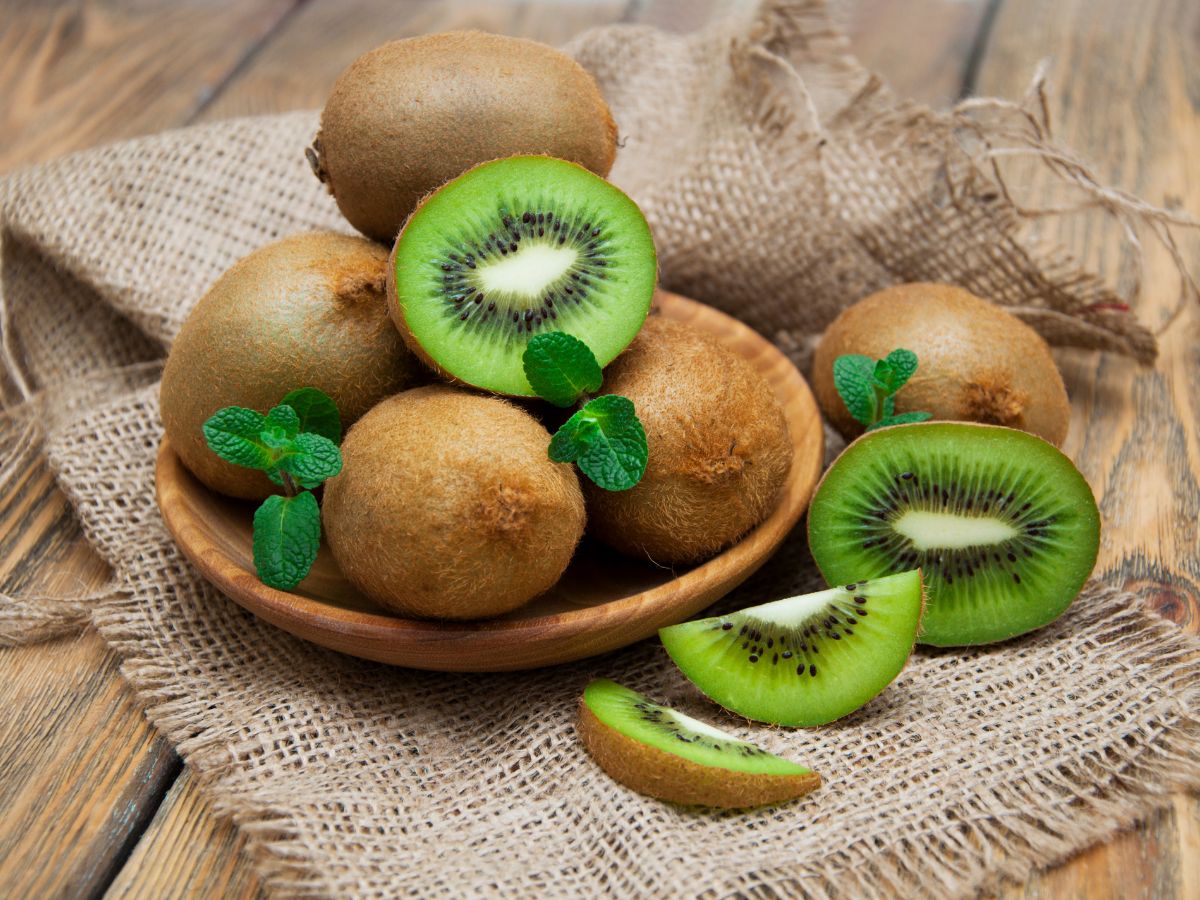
(783, 181)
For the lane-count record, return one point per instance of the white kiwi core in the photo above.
(527, 272)
(948, 531)
(700, 727)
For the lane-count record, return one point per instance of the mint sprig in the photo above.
(297, 447)
(604, 438)
(287, 535)
(561, 368)
(868, 387)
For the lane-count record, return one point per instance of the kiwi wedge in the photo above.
(658, 751)
(1002, 524)
(514, 248)
(805, 660)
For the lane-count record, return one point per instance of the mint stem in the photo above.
(289, 486)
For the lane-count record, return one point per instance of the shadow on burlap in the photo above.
(783, 181)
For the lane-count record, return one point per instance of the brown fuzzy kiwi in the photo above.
(448, 506)
(669, 777)
(976, 362)
(306, 311)
(719, 449)
(409, 116)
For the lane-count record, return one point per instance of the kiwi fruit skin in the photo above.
(976, 362)
(624, 289)
(448, 506)
(306, 311)
(410, 115)
(719, 448)
(979, 591)
(668, 776)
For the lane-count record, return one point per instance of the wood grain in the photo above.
(1105, 58)
(1125, 94)
(157, 64)
(187, 851)
(604, 600)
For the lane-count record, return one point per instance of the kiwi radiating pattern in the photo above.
(805, 660)
(1001, 523)
(516, 247)
(562, 257)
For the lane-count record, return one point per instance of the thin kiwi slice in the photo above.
(805, 660)
(1003, 525)
(513, 248)
(659, 751)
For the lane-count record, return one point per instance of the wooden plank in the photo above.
(298, 67)
(73, 75)
(1123, 82)
(83, 769)
(189, 852)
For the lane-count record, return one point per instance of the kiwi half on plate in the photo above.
(1002, 524)
(805, 660)
(658, 751)
(513, 248)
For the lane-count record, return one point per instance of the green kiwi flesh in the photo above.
(1003, 525)
(514, 248)
(805, 660)
(661, 752)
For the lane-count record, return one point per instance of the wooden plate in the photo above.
(604, 601)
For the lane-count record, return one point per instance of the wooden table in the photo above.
(93, 801)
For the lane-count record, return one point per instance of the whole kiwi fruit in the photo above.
(719, 449)
(410, 115)
(976, 362)
(448, 506)
(305, 311)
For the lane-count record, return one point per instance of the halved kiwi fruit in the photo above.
(805, 660)
(661, 752)
(1003, 525)
(513, 248)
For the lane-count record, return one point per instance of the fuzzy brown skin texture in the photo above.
(663, 775)
(719, 449)
(407, 117)
(976, 362)
(448, 506)
(306, 311)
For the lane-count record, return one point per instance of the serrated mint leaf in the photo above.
(287, 535)
(560, 368)
(606, 440)
(883, 376)
(903, 363)
(901, 419)
(281, 426)
(235, 434)
(317, 412)
(854, 378)
(309, 459)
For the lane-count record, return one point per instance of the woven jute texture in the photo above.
(783, 181)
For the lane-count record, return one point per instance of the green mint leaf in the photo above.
(309, 459)
(235, 434)
(280, 428)
(854, 378)
(606, 440)
(317, 412)
(883, 377)
(561, 367)
(903, 363)
(889, 407)
(287, 535)
(901, 419)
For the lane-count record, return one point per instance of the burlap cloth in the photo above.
(782, 181)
